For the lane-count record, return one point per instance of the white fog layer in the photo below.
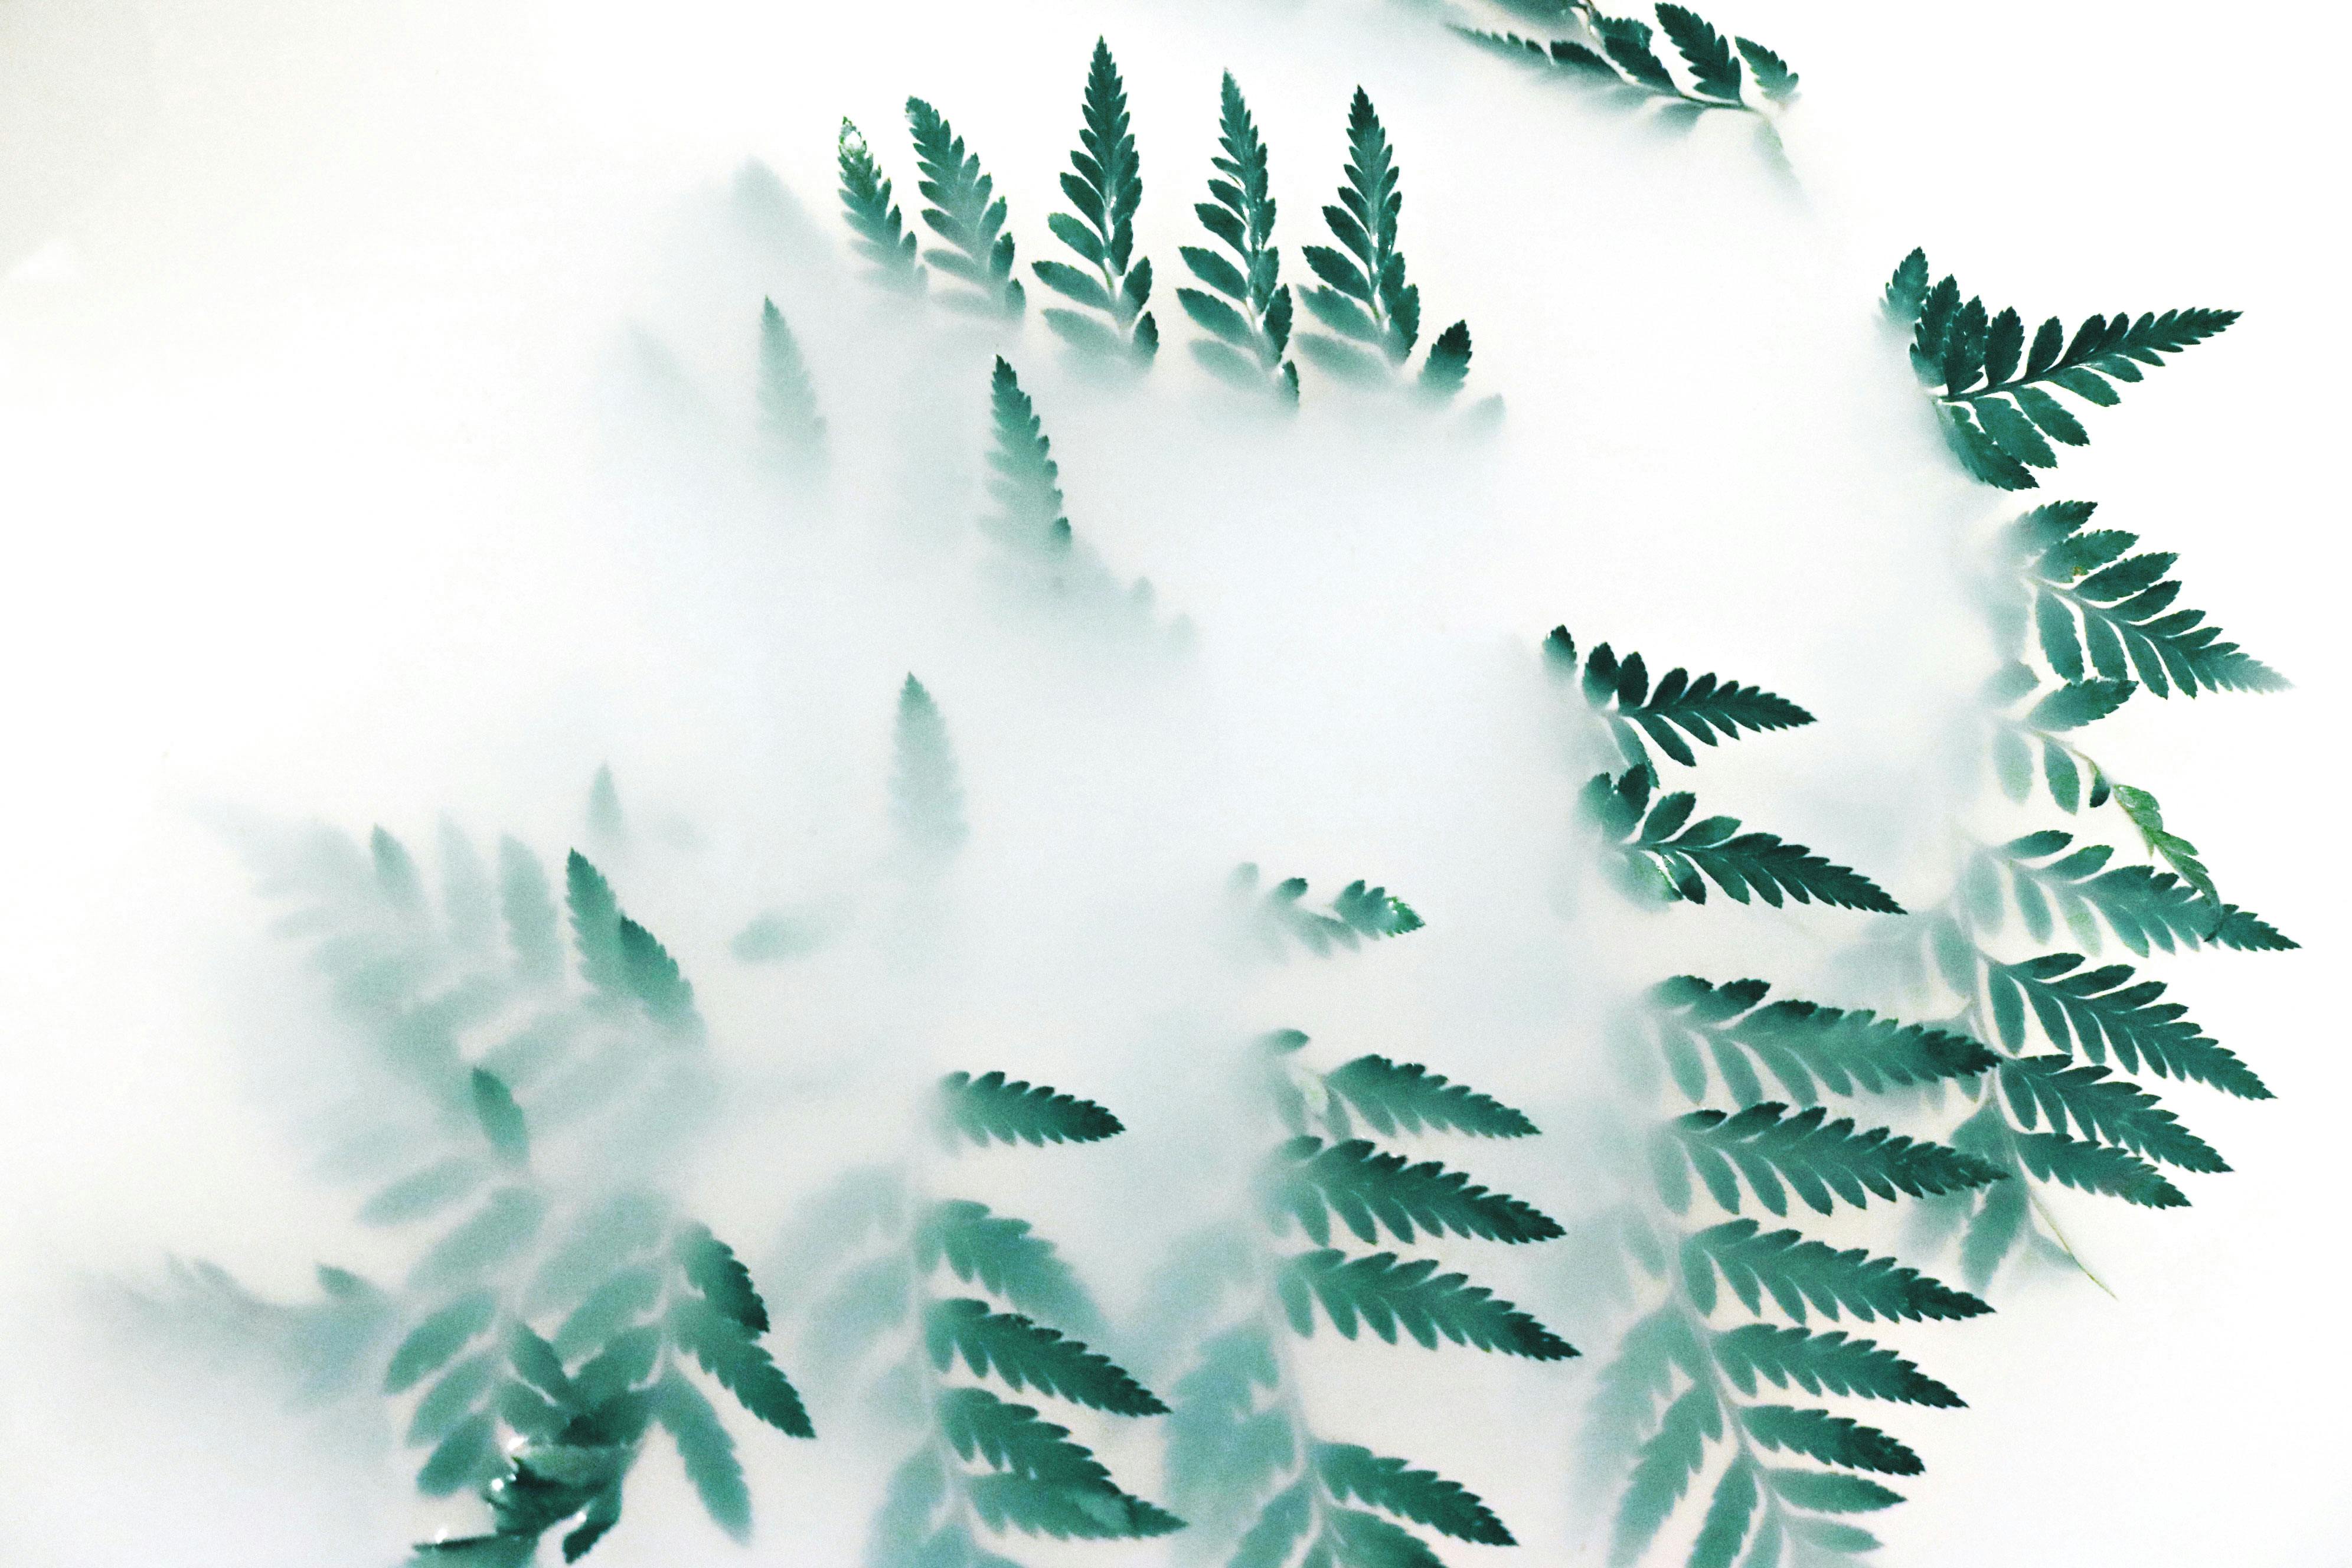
(395, 467)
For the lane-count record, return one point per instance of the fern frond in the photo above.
(1822, 1160)
(1360, 913)
(2103, 1009)
(1004, 1256)
(1059, 575)
(1104, 188)
(1707, 709)
(1371, 316)
(878, 233)
(2044, 873)
(1667, 1463)
(926, 788)
(788, 412)
(1025, 1354)
(527, 905)
(1386, 1292)
(1833, 1439)
(988, 1107)
(2089, 595)
(1025, 481)
(1798, 1273)
(1045, 1483)
(1822, 1362)
(2096, 1168)
(966, 213)
(578, 1406)
(1369, 1189)
(1660, 857)
(1615, 53)
(1424, 1496)
(1246, 307)
(2108, 1109)
(1406, 1096)
(1993, 393)
(1807, 1048)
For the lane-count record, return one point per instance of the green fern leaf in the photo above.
(2090, 594)
(1976, 363)
(1424, 1496)
(2096, 1168)
(1777, 82)
(788, 412)
(708, 1452)
(1104, 188)
(435, 1341)
(1714, 72)
(1708, 709)
(1829, 1493)
(501, 1119)
(1725, 1529)
(1026, 480)
(1364, 301)
(1047, 1484)
(1407, 1096)
(2109, 1109)
(607, 826)
(1798, 1273)
(878, 233)
(1823, 1362)
(1833, 1439)
(1004, 1256)
(2045, 873)
(528, 907)
(965, 212)
(711, 1266)
(1247, 308)
(1387, 1293)
(2176, 851)
(1025, 1354)
(2099, 1010)
(1807, 1048)
(505, 1224)
(985, 1108)
(595, 924)
(926, 790)
(1067, 1512)
(1661, 857)
(1822, 1160)
(1369, 1189)
(1360, 911)
(1669, 1461)
(652, 976)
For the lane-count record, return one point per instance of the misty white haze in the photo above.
(379, 421)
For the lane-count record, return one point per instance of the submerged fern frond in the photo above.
(1247, 308)
(965, 212)
(1105, 186)
(878, 233)
(1371, 315)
